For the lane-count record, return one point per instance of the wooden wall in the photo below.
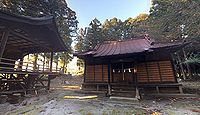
(96, 73)
(149, 72)
(158, 71)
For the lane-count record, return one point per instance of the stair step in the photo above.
(123, 93)
(123, 98)
(123, 88)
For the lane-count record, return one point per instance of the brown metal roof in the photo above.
(136, 45)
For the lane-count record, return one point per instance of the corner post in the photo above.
(51, 64)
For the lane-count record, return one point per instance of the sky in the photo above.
(87, 10)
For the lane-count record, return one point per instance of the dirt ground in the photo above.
(53, 103)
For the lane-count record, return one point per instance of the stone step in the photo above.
(123, 98)
(123, 91)
(122, 88)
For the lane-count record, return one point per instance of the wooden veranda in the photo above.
(20, 36)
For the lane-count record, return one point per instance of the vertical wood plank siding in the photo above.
(89, 73)
(147, 72)
(159, 71)
(142, 72)
(96, 73)
(153, 71)
(166, 71)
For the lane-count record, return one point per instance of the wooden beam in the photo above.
(4, 40)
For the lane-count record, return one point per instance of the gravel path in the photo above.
(53, 103)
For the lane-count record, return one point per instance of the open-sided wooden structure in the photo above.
(22, 35)
(129, 64)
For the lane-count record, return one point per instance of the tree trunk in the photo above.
(27, 62)
(64, 66)
(35, 62)
(187, 65)
(181, 66)
(56, 65)
(43, 62)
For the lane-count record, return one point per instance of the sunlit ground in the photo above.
(67, 87)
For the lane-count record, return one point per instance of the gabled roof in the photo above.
(130, 46)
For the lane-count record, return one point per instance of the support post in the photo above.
(43, 62)
(84, 71)
(137, 94)
(109, 87)
(123, 77)
(51, 64)
(157, 89)
(3, 42)
(181, 89)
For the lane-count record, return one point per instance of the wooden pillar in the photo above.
(21, 63)
(84, 71)
(43, 62)
(158, 64)
(123, 77)
(137, 94)
(27, 62)
(94, 73)
(102, 72)
(109, 87)
(51, 64)
(3, 42)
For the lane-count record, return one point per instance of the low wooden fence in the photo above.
(17, 76)
(16, 65)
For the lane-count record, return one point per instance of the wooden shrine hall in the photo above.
(131, 67)
(20, 36)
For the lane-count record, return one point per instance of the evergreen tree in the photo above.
(93, 35)
(64, 16)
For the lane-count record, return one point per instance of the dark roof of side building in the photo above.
(31, 34)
